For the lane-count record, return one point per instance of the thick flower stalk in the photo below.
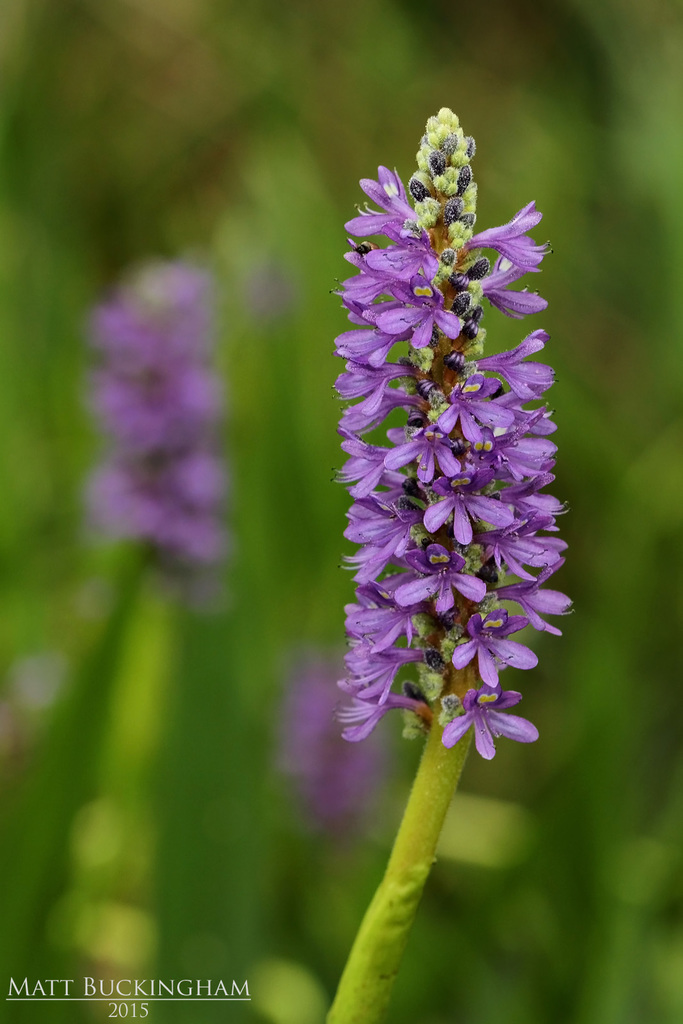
(159, 402)
(452, 516)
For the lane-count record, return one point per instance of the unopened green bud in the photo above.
(469, 198)
(458, 234)
(447, 183)
(428, 213)
(414, 726)
(451, 707)
(422, 358)
(431, 683)
(423, 624)
(450, 641)
(474, 349)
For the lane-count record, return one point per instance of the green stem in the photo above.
(365, 987)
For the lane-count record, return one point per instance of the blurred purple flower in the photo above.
(335, 781)
(158, 402)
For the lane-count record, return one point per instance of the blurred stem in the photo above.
(365, 987)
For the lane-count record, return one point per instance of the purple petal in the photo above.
(456, 729)
(369, 224)
(402, 455)
(507, 699)
(436, 515)
(416, 590)
(447, 419)
(513, 653)
(470, 587)
(399, 320)
(423, 333)
(463, 653)
(487, 667)
(448, 322)
(482, 736)
(490, 510)
(512, 726)
(462, 527)
(551, 602)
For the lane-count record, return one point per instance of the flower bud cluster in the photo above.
(455, 504)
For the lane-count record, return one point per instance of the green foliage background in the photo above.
(145, 831)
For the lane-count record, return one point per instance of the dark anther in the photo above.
(433, 659)
(468, 219)
(464, 178)
(499, 390)
(425, 542)
(452, 210)
(434, 340)
(406, 505)
(418, 190)
(488, 572)
(425, 388)
(471, 147)
(459, 281)
(411, 487)
(413, 692)
(454, 361)
(447, 620)
(479, 269)
(458, 446)
(470, 329)
(461, 303)
(437, 163)
(416, 420)
(477, 313)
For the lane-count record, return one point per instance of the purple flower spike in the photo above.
(158, 401)
(483, 711)
(488, 641)
(452, 514)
